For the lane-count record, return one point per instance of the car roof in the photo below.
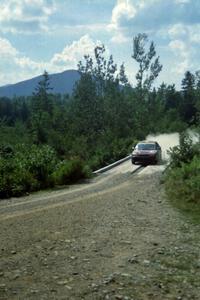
(147, 142)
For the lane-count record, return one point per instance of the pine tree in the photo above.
(42, 108)
(123, 79)
(189, 101)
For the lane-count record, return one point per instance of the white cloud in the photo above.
(73, 53)
(27, 64)
(6, 49)
(179, 47)
(25, 15)
(184, 40)
(194, 33)
(182, 1)
(174, 25)
(195, 37)
(124, 16)
(19, 67)
(80, 29)
(182, 53)
(190, 33)
(127, 10)
(132, 16)
(123, 9)
(177, 30)
(145, 3)
(119, 38)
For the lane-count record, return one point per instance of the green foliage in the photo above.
(149, 68)
(98, 123)
(6, 151)
(183, 185)
(15, 180)
(69, 171)
(39, 161)
(182, 178)
(29, 168)
(107, 153)
(42, 108)
(183, 153)
(12, 135)
(188, 108)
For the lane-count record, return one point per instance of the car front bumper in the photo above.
(144, 158)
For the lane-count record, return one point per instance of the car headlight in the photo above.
(134, 153)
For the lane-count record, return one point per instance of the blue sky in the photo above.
(53, 35)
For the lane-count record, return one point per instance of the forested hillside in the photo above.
(49, 139)
(61, 83)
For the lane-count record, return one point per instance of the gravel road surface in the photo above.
(115, 237)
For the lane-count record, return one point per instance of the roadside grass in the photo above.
(182, 178)
(180, 270)
(182, 187)
(177, 271)
(177, 264)
(190, 210)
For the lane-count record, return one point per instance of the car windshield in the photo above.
(146, 146)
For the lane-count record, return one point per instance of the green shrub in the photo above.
(31, 168)
(28, 169)
(183, 153)
(109, 153)
(101, 158)
(38, 161)
(70, 171)
(23, 182)
(182, 178)
(183, 183)
(5, 181)
(121, 148)
(6, 151)
(42, 162)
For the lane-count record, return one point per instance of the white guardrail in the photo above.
(118, 162)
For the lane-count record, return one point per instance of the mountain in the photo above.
(61, 83)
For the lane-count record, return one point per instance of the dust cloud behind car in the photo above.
(166, 141)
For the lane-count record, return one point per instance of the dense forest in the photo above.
(48, 139)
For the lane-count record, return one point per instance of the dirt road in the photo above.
(116, 237)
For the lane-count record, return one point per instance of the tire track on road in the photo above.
(22, 208)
